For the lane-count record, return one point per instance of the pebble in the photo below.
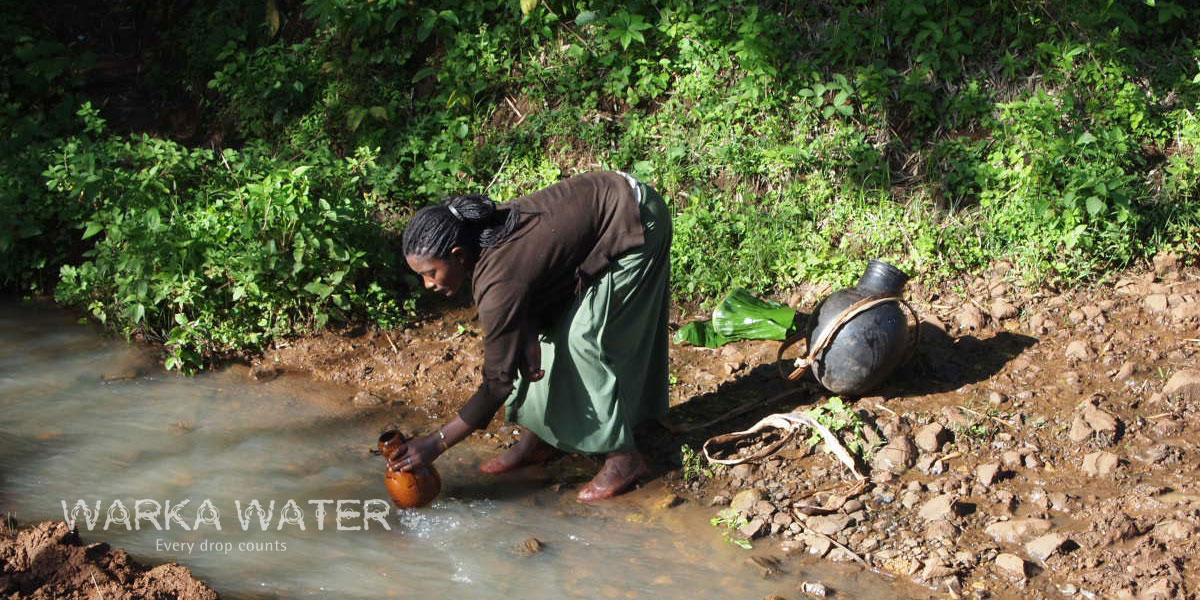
(1017, 530)
(996, 398)
(1078, 350)
(931, 437)
(1184, 384)
(1045, 546)
(1155, 303)
(986, 473)
(261, 373)
(1100, 464)
(970, 318)
(1002, 309)
(1012, 564)
(1127, 370)
(814, 589)
(1187, 311)
(897, 456)
(945, 506)
(743, 502)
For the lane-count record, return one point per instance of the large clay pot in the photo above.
(408, 489)
(868, 347)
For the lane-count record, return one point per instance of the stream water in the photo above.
(85, 417)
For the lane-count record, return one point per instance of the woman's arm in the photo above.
(422, 451)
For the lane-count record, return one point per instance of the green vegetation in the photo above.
(793, 140)
(729, 521)
(695, 466)
(845, 424)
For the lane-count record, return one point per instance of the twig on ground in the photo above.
(996, 419)
(390, 342)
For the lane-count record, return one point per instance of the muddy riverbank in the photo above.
(1039, 445)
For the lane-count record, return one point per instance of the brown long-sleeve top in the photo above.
(567, 234)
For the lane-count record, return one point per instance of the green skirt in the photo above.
(605, 359)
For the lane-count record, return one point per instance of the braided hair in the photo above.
(472, 221)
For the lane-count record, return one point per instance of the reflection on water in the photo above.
(67, 434)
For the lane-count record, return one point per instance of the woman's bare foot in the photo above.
(620, 470)
(529, 450)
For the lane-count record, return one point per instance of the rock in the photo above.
(1012, 458)
(1185, 384)
(828, 524)
(941, 530)
(1173, 530)
(742, 471)
(1002, 309)
(1128, 368)
(1099, 464)
(365, 399)
(1046, 546)
(1017, 530)
(752, 529)
(1155, 303)
(931, 437)
(970, 318)
(1080, 430)
(530, 547)
(957, 417)
(996, 398)
(814, 589)
(897, 456)
(764, 508)
(743, 502)
(944, 506)
(719, 500)
(1078, 350)
(1011, 564)
(818, 546)
(1159, 589)
(1188, 311)
(986, 474)
(1165, 262)
(1091, 312)
(120, 375)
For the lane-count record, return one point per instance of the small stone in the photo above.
(1165, 262)
(986, 473)
(1012, 564)
(719, 500)
(365, 399)
(931, 437)
(1184, 384)
(1078, 350)
(1173, 530)
(1099, 464)
(1044, 547)
(814, 589)
(752, 529)
(1011, 458)
(1101, 422)
(944, 506)
(1002, 309)
(996, 398)
(1128, 368)
(828, 524)
(530, 547)
(970, 318)
(1080, 430)
(1155, 303)
(1159, 589)
(1091, 312)
(742, 471)
(1017, 530)
(743, 502)
(897, 456)
(818, 546)
(1188, 311)
(941, 530)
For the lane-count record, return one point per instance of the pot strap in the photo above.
(803, 363)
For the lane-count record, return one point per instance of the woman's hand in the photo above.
(416, 453)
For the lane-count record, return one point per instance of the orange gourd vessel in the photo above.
(408, 489)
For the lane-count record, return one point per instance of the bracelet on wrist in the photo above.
(442, 439)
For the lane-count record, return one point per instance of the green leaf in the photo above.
(1085, 138)
(92, 229)
(586, 17)
(298, 171)
(527, 6)
(320, 319)
(379, 112)
(318, 288)
(1095, 205)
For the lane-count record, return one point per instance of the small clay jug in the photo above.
(871, 345)
(408, 489)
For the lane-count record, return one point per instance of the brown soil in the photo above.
(48, 560)
(1031, 451)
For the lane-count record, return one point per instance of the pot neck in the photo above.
(882, 279)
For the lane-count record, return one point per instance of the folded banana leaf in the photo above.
(740, 316)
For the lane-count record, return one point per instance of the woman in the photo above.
(571, 284)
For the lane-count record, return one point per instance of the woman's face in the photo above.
(443, 276)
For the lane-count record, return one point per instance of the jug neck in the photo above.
(882, 279)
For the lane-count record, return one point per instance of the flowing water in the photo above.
(84, 417)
